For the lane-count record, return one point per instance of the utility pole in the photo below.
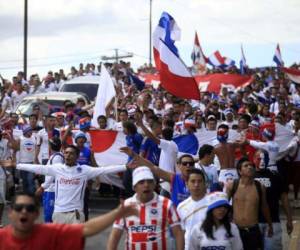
(150, 35)
(25, 37)
(117, 56)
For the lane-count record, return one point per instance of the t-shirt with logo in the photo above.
(275, 186)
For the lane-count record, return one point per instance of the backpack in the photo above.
(258, 189)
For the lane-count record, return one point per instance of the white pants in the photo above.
(68, 217)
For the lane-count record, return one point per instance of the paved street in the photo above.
(103, 205)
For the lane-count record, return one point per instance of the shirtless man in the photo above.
(248, 196)
(225, 153)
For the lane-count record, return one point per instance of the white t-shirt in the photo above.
(70, 182)
(17, 98)
(191, 213)
(27, 149)
(199, 240)
(210, 173)
(4, 154)
(167, 159)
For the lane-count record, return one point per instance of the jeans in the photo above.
(28, 181)
(48, 204)
(274, 242)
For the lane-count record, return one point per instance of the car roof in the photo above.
(84, 79)
(56, 95)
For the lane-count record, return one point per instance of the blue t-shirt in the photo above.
(134, 142)
(179, 191)
(152, 151)
(84, 156)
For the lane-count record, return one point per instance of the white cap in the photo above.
(217, 199)
(141, 173)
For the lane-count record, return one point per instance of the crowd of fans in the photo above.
(250, 169)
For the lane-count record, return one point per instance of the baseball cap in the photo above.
(217, 199)
(26, 129)
(141, 173)
(80, 135)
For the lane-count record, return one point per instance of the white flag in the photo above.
(106, 91)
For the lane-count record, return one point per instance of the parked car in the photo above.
(48, 101)
(85, 84)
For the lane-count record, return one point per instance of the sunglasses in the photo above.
(186, 163)
(30, 208)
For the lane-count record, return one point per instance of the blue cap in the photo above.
(217, 199)
(80, 135)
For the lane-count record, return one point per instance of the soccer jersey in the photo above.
(149, 230)
(70, 182)
(191, 213)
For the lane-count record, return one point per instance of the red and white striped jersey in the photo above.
(149, 231)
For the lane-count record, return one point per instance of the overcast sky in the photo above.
(63, 33)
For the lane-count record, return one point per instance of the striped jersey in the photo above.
(150, 230)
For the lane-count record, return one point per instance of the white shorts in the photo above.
(227, 175)
(2, 191)
(68, 217)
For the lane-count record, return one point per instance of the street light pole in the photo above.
(150, 35)
(25, 37)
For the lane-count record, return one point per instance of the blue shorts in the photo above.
(48, 204)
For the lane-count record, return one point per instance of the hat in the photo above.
(57, 114)
(26, 129)
(255, 124)
(189, 123)
(211, 117)
(141, 173)
(228, 111)
(217, 199)
(80, 135)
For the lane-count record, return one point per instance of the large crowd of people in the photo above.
(228, 196)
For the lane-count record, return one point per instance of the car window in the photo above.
(89, 89)
(26, 106)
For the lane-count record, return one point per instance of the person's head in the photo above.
(143, 183)
(261, 159)
(156, 127)
(33, 119)
(244, 121)
(185, 163)
(129, 128)
(80, 139)
(102, 121)
(228, 114)
(123, 115)
(167, 134)
(71, 154)
(85, 123)
(55, 144)
(222, 133)
(206, 154)
(196, 182)
(211, 123)
(217, 214)
(245, 168)
(23, 213)
(50, 122)
(14, 118)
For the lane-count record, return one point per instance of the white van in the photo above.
(85, 84)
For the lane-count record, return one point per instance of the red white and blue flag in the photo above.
(198, 57)
(292, 73)
(277, 57)
(218, 61)
(175, 77)
(243, 63)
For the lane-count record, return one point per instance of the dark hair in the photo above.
(167, 134)
(55, 144)
(123, 111)
(225, 126)
(240, 163)
(205, 150)
(183, 156)
(22, 193)
(77, 151)
(209, 223)
(195, 171)
(33, 115)
(130, 126)
(170, 123)
(245, 117)
(101, 117)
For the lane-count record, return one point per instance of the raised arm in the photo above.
(148, 133)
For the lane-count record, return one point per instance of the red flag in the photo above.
(215, 82)
(292, 73)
